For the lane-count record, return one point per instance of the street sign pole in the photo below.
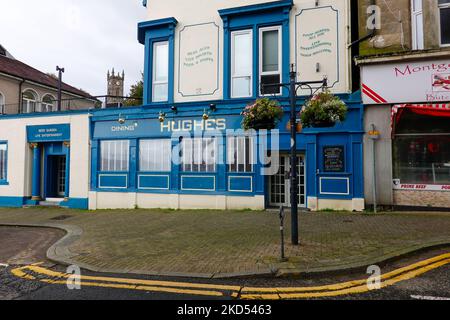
(293, 86)
(294, 173)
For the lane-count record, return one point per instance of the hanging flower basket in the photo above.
(324, 110)
(264, 114)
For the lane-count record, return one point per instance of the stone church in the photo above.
(115, 88)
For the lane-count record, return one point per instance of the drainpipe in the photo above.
(20, 96)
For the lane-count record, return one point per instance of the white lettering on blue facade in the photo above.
(194, 125)
(122, 128)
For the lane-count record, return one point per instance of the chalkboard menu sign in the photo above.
(334, 159)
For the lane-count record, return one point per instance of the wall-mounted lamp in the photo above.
(174, 109)
(213, 107)
(121, 119)
(205, 115)
(162, 116)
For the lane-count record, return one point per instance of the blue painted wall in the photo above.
(142, 123)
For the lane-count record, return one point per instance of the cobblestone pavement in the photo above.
(218, 242)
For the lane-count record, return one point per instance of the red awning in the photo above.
(433, 110)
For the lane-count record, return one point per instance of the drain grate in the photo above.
(60, 218)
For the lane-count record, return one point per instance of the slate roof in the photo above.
(19, 69)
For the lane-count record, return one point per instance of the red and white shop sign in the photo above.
(420, 187)
(411, 82)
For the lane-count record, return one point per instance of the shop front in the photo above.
(51, 162)
(177, 158)
(407, 102)
(45, 160)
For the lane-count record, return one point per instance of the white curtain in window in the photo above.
(155, 155)
(160, 71)
(3, 150)
(114, 156)
(242, 64)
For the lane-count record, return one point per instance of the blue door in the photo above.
(54, 173)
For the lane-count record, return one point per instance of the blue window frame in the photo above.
(3, 162)
(155, 155)
(158, 38)
(256, 18)
(114, 156)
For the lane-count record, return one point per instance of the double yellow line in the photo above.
(35, 272)
(347, 288)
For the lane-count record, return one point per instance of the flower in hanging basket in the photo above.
(323, 110)
(262, 114)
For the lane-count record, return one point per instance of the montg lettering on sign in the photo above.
(409, 70)
(194, 125)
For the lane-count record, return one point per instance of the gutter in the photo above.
(403, 56)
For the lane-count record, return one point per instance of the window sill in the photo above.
(4, 183)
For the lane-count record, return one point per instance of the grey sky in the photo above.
(87, 37)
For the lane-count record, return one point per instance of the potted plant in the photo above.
(262, 114)
(323, 110)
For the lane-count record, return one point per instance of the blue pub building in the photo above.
(184, 148)
(201, 70)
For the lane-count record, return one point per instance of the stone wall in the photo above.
(422, 198)
(395, 32)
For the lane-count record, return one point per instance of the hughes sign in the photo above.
(421, 81)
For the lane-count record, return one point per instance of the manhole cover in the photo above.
(59, 218)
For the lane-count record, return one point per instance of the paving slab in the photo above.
(215, 244)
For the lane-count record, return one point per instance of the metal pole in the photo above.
(294, 200)
(283, 254)
(60, 72)
(374, 172)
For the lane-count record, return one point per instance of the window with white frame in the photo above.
(3, 160)
(417, 25)
(114, 155)
(444, 10)
(160, 83)
(240, 154)
(48, 103)
(155, 155)
(270, 59)
(242, 64)
(198, 154)
(29, 101)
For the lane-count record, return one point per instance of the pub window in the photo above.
(3, 161)
(240, 154)
(270, 59)
(444, 10)
(114, 156)
(198, 154)
(160, 71)
(417, 24)
(422, 149)
(241, 64)
(155, 155)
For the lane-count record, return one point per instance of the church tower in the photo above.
(115, 88)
